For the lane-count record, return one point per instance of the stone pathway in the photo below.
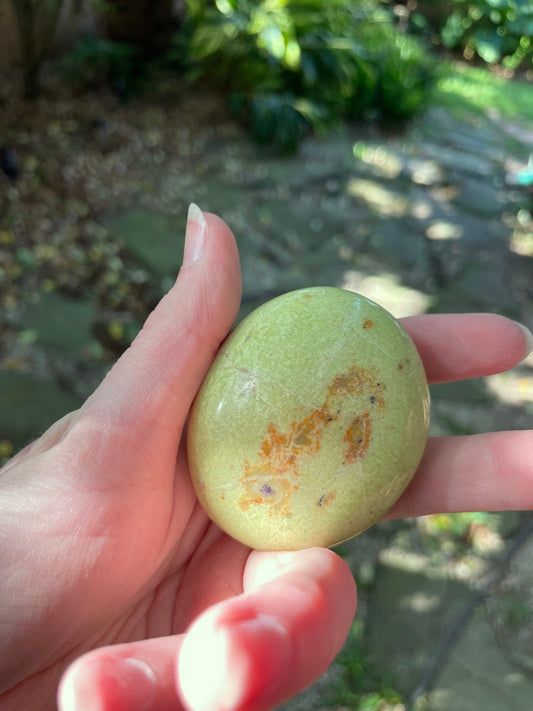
(422, 222)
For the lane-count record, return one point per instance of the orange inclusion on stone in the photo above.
(357, 436)
(306, 434)
(274, 476)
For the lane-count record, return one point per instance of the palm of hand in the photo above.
(113, 567)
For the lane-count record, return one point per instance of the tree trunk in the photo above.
(37, 21)
(24, 12)
(31, 85)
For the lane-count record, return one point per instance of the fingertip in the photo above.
(228, 662)
(228, 242)
(216, 222)
(98, 683)
(272, 641)
(200, 666)
(319, 563)
(215, 275)
(461, 346)
(195, 235)
(225, 238)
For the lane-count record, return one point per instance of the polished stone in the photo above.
(311, 421)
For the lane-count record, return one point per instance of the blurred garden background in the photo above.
(381, 147)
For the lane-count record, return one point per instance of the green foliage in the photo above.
(94, 62)
(403, 68)
(457, 525)
(468, 91)
(453, 536)
(516, 613)
(360, 686)
(497, 31)
(289, 66)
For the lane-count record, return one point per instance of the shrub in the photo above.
(94, 62)
(494, 30)
(404, 71)
(289, 66)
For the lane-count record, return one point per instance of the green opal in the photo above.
(311, 421)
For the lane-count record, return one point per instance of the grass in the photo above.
(361, 686)
(466, 90)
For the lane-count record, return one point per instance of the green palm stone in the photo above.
(310, 422)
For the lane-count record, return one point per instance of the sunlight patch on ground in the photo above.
(405, 560)
(440, 229)
(388, 164)
(385, 202)
(512, 388)
(426, 172)
(422, 209)
(515, 387)
(420, 601)
(386, 290)
(522, 244)
(522, 238)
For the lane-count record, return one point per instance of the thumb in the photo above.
(252, 651)
(259, 648)
(141, 406)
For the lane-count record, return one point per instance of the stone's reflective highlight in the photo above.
(311, 421)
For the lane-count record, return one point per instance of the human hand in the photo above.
(105, 548)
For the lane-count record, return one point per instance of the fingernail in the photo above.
(194, 235)
(120, 684)
(528, 338)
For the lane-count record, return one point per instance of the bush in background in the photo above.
(496, 31)
(289, 66)
(94, 62)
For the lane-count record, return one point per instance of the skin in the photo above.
(116, 587)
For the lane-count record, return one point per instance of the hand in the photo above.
(105, 548)
(104, 545)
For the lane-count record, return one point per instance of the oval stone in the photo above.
(310, 422)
